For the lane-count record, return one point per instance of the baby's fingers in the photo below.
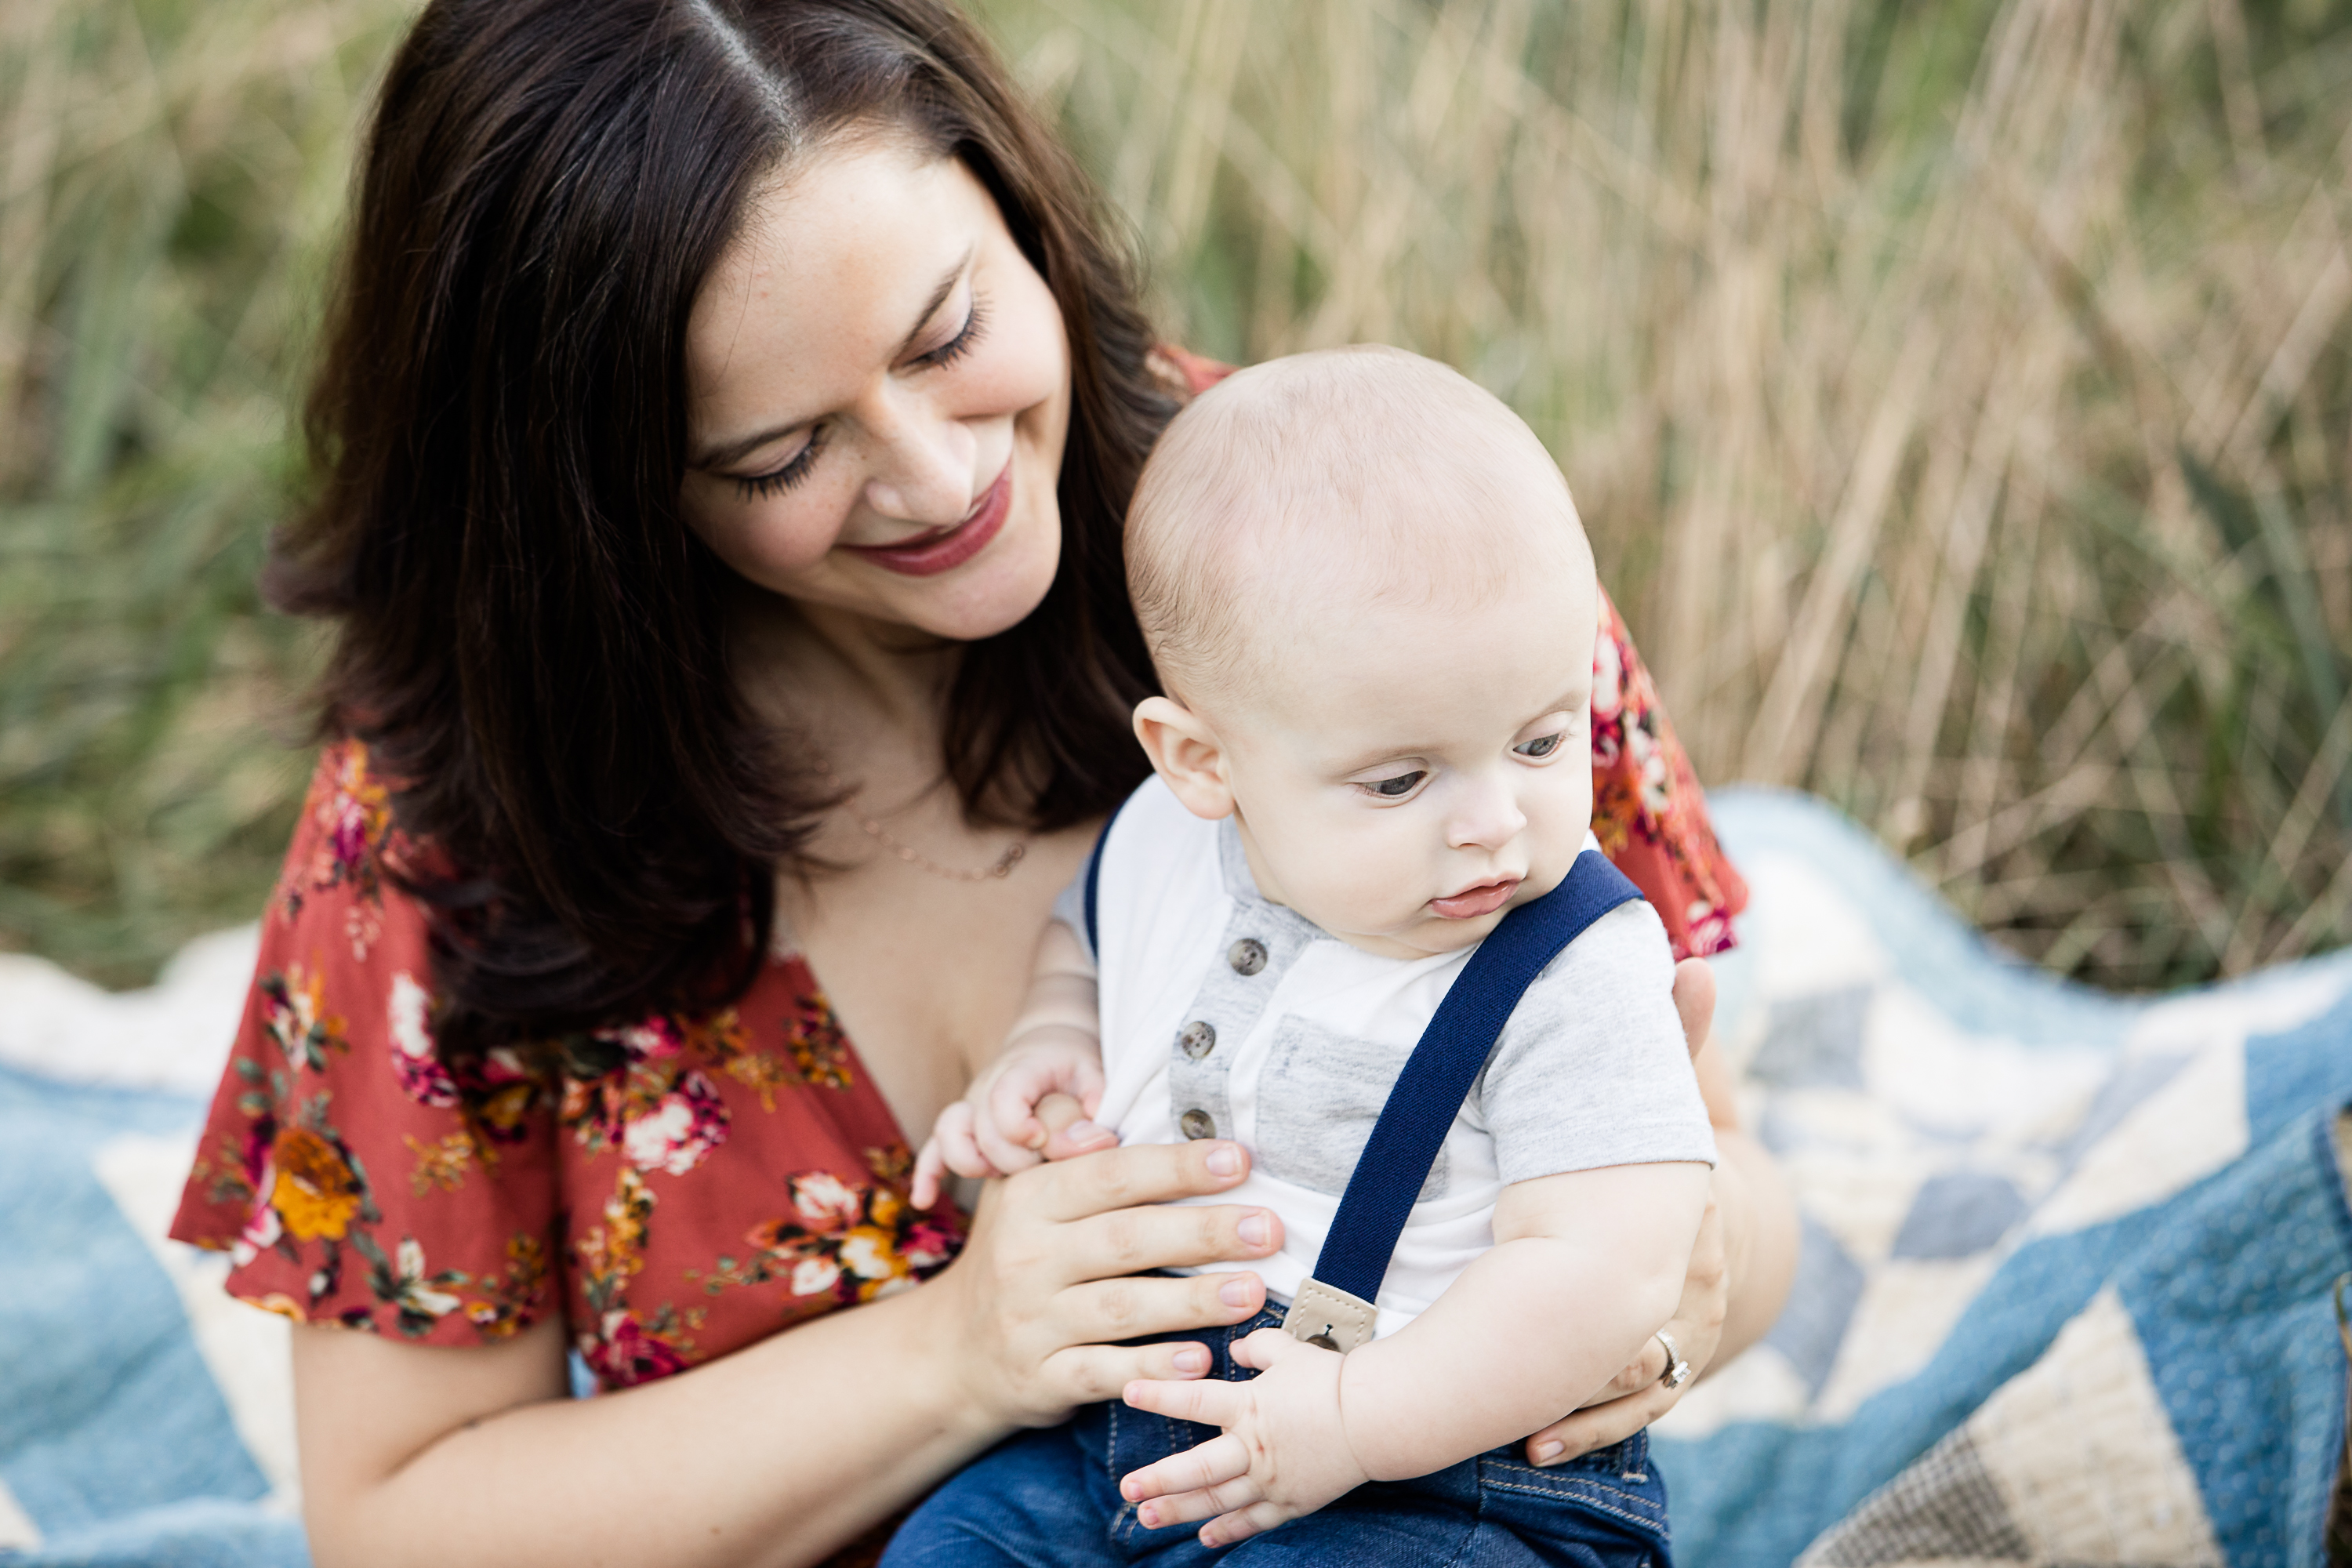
(1243, 1524)
(1214, 1404)
(1192, 1472)
(959, 1148)
(1002, 1146)
(930, 1166)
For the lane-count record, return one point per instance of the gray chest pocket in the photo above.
(1317, 1100)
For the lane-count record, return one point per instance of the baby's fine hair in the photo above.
(1353, 475)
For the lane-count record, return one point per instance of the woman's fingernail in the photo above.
(1191, 1359)
(1086, 1131)
(1234, 1292)
(1226, 1161)
(1546, 1452)
(1256, 1230)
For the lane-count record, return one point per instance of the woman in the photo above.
(726, 420)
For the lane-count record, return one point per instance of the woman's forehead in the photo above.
(839, 257)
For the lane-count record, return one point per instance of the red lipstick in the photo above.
(928, 554)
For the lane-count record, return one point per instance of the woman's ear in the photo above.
(1186, 752)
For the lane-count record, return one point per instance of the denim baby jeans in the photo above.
(1050, 1500)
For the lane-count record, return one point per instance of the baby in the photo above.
(1373, 609)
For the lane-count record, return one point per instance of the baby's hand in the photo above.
(993, 1131)
(1284, 1452)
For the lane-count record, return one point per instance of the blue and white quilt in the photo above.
(2063, 1299)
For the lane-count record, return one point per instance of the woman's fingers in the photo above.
(1068, 1131)
(1130, 1307)
(1643, 1370)
(1599, 1426)
(1214, 1463)
(1095, 1374)
(1694, 1001)
(1131, 1241)
(1145, 1173)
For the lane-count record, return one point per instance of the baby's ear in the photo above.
(1185, 751)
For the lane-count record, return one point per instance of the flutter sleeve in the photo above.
(1648, 810)
(351, 1176)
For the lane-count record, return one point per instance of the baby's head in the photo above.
(1367, 591)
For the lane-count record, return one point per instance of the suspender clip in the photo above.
(1327, 1316)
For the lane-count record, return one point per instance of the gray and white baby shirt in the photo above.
(1226, 1016)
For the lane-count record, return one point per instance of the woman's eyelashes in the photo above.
(975, 325)
(755, 487)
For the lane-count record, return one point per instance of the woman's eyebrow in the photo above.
(736, 451)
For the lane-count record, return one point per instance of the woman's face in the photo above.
(879, 389)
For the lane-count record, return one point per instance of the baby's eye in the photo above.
(1541, 746)
(1396, 788)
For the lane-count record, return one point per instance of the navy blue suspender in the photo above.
(1335, 1308)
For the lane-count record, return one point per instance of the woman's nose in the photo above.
(1485, 815)
(923, 467)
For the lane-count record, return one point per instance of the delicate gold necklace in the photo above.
(1000, 869)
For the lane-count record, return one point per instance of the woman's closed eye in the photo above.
(795, 469)
(967, 338)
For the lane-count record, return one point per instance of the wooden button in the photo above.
(1197, 1039)
(1247, 956)
(1197, 1123)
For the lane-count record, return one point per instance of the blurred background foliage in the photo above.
(1959, 394)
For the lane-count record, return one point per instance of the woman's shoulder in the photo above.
(1184, 374)
(347, 849)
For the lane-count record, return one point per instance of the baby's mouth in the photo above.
(1484, 899)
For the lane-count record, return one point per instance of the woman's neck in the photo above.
(856, 686)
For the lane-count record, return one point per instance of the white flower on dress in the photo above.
(814, 1275)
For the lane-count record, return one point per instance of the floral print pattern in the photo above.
(1647, 808)
(356, 1178)
(840, 1243)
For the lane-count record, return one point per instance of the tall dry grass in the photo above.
(171, 174)
(1959, 396)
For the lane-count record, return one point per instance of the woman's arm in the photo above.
(786, 1449)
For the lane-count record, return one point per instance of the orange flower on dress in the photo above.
(316, 1192)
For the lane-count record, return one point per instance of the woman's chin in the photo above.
(993, 593)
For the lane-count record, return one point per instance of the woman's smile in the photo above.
(943, 550)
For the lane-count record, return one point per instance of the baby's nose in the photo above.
(1488, 817)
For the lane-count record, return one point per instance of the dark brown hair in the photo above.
(531, 640)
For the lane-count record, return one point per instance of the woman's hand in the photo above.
(1048, 1284)
(1740, 1266)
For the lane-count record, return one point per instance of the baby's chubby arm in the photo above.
(1584, 1269)
(1053, 1046)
